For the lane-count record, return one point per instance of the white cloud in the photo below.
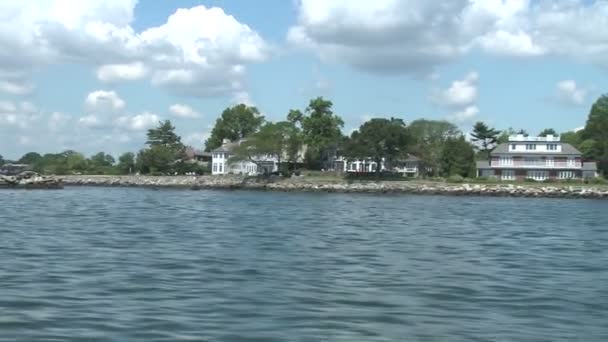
(15, 88)
(102, 100)
(568, 92)
(28, 107)
(137, 122)
(461, 92)
(122, 72)
(207, 44)
(415, 36)
(58, 121)
(465, 115)
(7, 106)
(243, 97)
(183, 111)
(90, 121)
(196, 139)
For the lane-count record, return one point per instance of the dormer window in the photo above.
(513, 147)
(551, 147)
(530, 147)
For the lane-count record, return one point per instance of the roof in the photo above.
(589, 166)
(567, 149)
(483, 164)
(227, 147)
(412, 158)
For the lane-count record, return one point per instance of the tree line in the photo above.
(309, 138)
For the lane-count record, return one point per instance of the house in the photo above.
(221, 165)
(537, 158)
(409, 166)
(14, 169)
(197, 156)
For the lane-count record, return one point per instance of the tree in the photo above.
(275, 139)
(30, 158)
(547, 131)
(321, 129)
(428, 139)
(235, 123)
(1, 160)
(126, 163)
(596, 130)
(165, 148)
(381, 139)
(458, 158)
(572, 138)
(485, 137)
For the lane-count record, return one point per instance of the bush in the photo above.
(596, 181)
(382, 176)
(455, 179)
(530, 180)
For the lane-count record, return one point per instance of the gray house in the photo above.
(537, 158)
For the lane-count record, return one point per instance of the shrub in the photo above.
(382, 176)
(596, 181)
(455, 179)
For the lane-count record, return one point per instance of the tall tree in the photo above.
(165, 148)
(458, 158)
(321, 129)
(235, 123)
(380, 139)
(547, 131)
(428, 139)
(596, 129)
(485, 137)
(126, 163)
(1, 160)
(572, 138)
(30, 158)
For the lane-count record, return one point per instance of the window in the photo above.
(507, 175)
(550, 162)
(506, 161)
(537, 175)
(566, 175)
(530, 147)
(220, 167)
(214, 167)
(513, 147)
(551, 147)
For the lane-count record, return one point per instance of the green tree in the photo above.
(596, 129)
(1, 160)
(165, 149)
(30, 158)
(321, 129)
(274, 139)
(126, 163)
(383, 140)
(572, 138)
(458, 158)
(235, 123)
(485, 138)
(547, 131)
(428, 139)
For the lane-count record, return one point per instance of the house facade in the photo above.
(221, 165)
(409, 167)
(537, 158)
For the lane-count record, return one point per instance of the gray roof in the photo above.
(567, 150)
(483, 164)
(589, 166)
(227, 147)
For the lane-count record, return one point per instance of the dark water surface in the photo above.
(93, 264)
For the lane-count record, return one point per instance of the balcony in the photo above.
(538, 165)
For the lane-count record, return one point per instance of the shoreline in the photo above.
(341, 186)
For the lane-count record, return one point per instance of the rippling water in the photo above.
(92, 264)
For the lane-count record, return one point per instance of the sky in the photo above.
(94, 75)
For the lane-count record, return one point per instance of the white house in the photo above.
(408, 167)
(220, 164)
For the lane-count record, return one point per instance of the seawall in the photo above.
(302, 184)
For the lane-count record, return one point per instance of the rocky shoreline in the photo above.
(303, 185)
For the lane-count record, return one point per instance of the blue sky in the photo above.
(93, 76)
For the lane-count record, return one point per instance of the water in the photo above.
(93, 264)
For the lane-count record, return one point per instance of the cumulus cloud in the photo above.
(415, 36)
(122, 72)
(104, 100)
(461, 92)
(465, 115)
(90, 121)
(139, 122)
(183, 111)
(15, 88)
(198, 51)
(569, 92)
